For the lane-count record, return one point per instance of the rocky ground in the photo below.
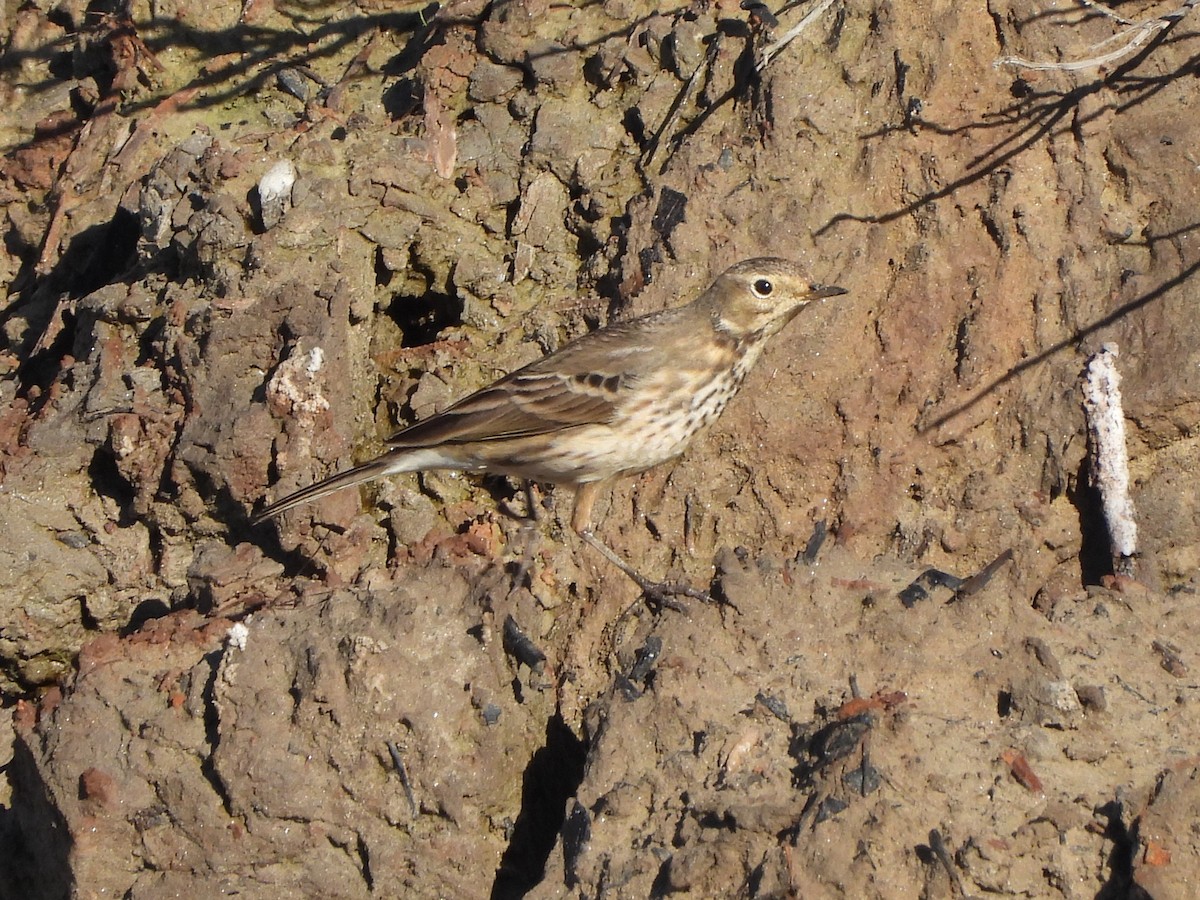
(243, 242)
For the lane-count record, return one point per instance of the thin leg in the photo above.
(531, 504)
(581, 523)
(528, 535)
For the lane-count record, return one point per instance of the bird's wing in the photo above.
(579, 385)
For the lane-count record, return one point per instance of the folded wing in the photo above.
(582, 384)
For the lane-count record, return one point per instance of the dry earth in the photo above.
(336, 705)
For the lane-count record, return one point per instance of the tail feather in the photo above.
(376, 468)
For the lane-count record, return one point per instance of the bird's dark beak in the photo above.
(820, 291)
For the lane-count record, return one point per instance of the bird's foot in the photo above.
(660, 594)
(521, 571)
(657, 594)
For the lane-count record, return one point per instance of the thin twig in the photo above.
(1106, 12)
(1138, 34)
(813, 14)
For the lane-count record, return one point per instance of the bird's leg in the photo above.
(581, 524)
(528, 530)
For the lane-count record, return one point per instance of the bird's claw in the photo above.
(663, 594)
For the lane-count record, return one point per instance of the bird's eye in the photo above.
(762, 287)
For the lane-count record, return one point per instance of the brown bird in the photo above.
(614, 402)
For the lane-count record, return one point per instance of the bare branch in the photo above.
(1106, 12)
(1135, 36)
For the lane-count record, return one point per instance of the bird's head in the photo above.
(760, 296)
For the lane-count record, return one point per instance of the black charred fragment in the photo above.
(758, 10)
(913, 594)
(647, 257)
(521, 648)
(298, 80)
(774, 706)
(962, 587)
(576, 835)
(863, 780)
(820, 757)
(808, 555)
(829, 808)
(647, 655)
(292, 81)
(629, 690)
(672, 206)
(398, 764)
(829, 745)
(840, 739)
(976, 582)
(927, 580)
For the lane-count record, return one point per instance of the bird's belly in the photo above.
(654, 432)
(648, 429)
(591, 453)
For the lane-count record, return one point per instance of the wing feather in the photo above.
(581, 384)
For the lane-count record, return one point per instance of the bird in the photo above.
(614, 402)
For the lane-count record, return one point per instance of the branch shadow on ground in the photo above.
(261, 52)
(1074, 340)
(1034, 116)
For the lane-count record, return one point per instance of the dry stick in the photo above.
(1138, 33)
(794, 32)
(1110, 458)
(1105, 11)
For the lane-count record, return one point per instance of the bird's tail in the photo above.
(388, 464)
